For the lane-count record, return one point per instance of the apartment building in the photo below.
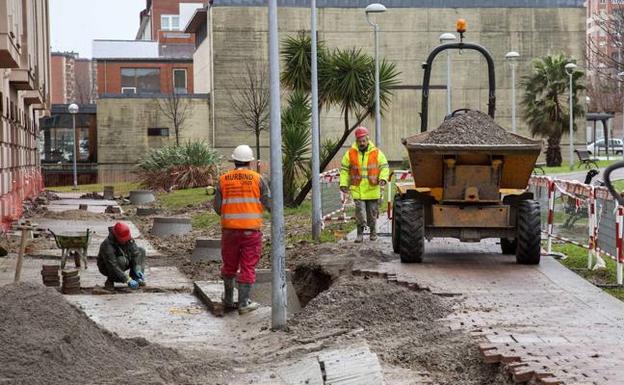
(605, 23)
(158, 61)
(24, 98)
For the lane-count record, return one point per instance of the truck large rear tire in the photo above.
(396, 226)
(411, 223)
(529, 233)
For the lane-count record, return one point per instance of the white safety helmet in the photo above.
(243, 153)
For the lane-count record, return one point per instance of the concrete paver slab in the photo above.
(91, 209)
(88, 202)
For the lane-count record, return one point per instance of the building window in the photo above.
(170, 22)
(140, 80)
(157, 132)
(179, 81)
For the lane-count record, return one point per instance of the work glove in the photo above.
(382, 183)
(133, 284)
(139, 275)
(344, 189)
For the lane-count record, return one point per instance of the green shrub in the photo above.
(192, 164)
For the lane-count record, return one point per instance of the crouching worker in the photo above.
(240, 199)
(118, 254)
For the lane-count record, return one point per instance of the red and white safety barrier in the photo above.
(396, 176)
(333, 176)
(584, 194)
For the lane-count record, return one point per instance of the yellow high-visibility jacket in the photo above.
(356, 174)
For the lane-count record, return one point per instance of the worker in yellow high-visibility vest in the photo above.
(363, 172)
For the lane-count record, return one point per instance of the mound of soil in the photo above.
(402, 326)
(473, 127)
(45, 340)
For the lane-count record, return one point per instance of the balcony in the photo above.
(32, 97)
(9, 52)
(125, 49)
(21, 79)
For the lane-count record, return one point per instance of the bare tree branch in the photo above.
(250, 105)
(175, 108)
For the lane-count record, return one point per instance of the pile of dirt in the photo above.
(473, 127)
(45, 340)
(76, 215)
(402, 326)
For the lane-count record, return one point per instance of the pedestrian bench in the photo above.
(585, 159)
(539, 167)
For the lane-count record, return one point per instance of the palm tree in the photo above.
(546, 100)
(346, 81)
(295, 143)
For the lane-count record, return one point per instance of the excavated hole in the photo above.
(310, 281)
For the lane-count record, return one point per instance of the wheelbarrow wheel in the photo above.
(529, 233)
(411, 223)
(396, 227)
(507, 246)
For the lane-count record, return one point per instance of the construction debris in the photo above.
(473, 127)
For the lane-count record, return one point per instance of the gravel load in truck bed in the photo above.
(473, 127)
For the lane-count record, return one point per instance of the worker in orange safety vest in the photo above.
(363, 172)
(241, 197)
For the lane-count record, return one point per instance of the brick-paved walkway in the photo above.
(545, 321)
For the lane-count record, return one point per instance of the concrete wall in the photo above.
(122, 132)
(201, 68)
(408, 35)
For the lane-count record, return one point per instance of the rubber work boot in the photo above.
(373, 233)
(245, 305)
(109, 285)
(359, 238)
(141, 282)
(228, 293)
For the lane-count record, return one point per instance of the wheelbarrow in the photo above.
(75, 244)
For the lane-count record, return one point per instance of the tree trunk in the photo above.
(553, 152)
(177, 135)
(324, 162)
(257, 150)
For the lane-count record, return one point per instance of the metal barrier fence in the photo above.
(583, 215)
(334, 202)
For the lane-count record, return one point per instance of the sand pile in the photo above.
(473, 127)
(75, 215)
(45, 340)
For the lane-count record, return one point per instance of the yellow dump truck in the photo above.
(471, 187)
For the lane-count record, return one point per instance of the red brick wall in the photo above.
(167, 7)
(57, 80)
(109, 75)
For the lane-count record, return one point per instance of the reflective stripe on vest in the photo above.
(241, 207)
(371, 171)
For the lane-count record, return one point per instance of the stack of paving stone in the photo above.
(71, 281)
(50, 275)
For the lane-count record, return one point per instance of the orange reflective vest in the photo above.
(357, 172)
(241, 207)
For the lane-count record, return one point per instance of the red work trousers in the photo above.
(240, 253)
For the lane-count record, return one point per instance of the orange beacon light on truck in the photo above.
(460, 24)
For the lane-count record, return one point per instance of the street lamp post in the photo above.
(73, 110)
(447, 38)
(621, 76)
(370, 9)
(569, 68)
(512, 58)
(316, 188)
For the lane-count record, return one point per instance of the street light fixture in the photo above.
(73, 110)
(569, 68)
(374, 9)
(447, 38)
(512, 58)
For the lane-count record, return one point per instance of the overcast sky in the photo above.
(75, 23)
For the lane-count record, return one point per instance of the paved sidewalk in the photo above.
(544, 320)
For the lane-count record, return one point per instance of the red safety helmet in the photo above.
(121, 231)
(361, 132)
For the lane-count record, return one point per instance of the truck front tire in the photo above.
(411, 223)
